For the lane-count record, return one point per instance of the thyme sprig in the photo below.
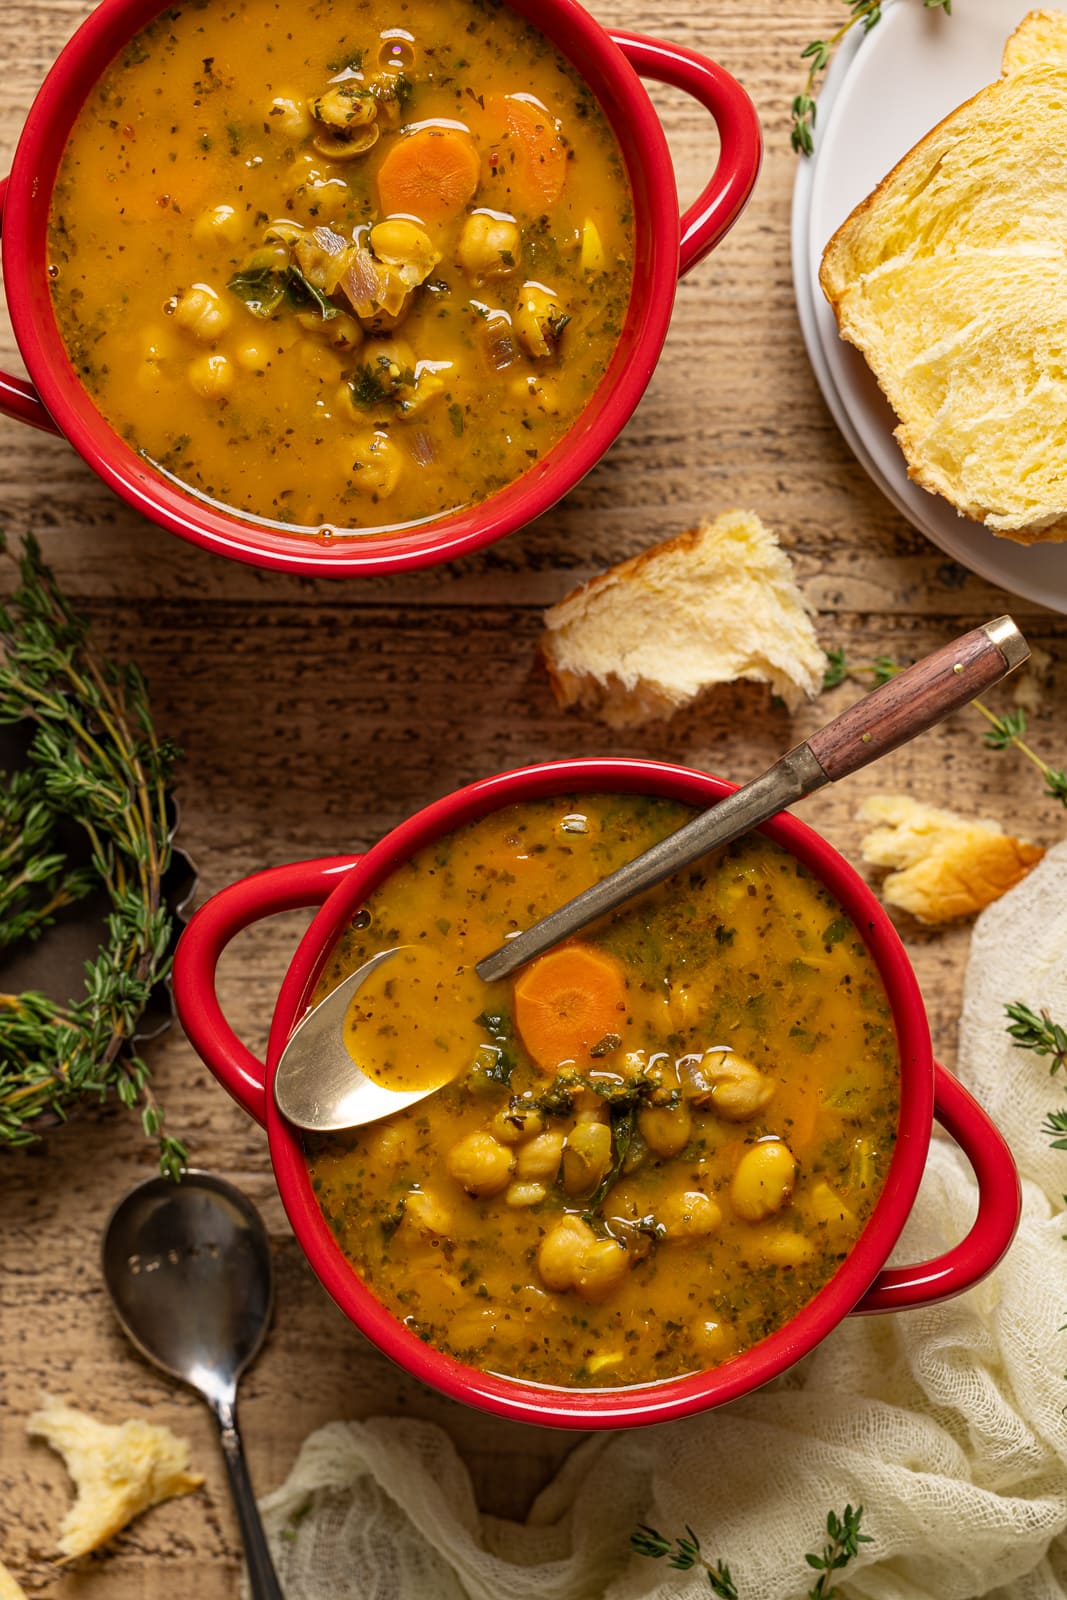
(94, 760)
(1036, 1031)
(1004, 732)
(818, 54)
(843, 1539)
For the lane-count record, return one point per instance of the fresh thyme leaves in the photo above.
(818, 55)
(94, 760)
(843, 1539)
(1036, 1031)
(684, 1554)
(1007, 732)
(1004, 733)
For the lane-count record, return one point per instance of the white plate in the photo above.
(882, 92)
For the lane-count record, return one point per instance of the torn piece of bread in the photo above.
(944, 866)
(951, 278)
(714, 604)
(9, 1589)
(1040, 37)
(118, 1471)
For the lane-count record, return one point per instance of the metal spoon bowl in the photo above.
(317, 1084)
(189, 1273)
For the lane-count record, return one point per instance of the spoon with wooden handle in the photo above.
(910, 703)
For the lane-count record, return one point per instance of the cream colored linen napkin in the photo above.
(949, 1425)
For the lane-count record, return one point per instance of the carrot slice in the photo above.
(568, 1001)
(431, 174)
(526, 161)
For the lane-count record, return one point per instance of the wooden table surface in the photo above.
(315, 715)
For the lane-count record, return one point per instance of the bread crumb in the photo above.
(9, 1589)
(712, 605)
(944, 866)
(118, 1471)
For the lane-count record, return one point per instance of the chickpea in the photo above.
(480, 1164)
(282, 231)
(390, 1146)
(586, 1156)
(202, 312)
(691, 1215)
(538, 321)
(763, 1180)
(253, 357)
(344, 106)
(211, 376)
(539, 1159)
(715, 1340)
(403, 244)
(604, 1265)
(428, 1213)
(516, 1123)
(341, 333)
(664, 1129)
(827, 1206)
(736, 1089)
(489, 246)
(220, 222)
(290, 116)
(525, 1194)
(376, 464)
(561, 1252)
(786, 1249)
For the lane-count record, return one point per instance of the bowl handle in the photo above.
(722, 200)
(999, 1206)
(220, 919)
(18, 397)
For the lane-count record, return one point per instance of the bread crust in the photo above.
(943, 866)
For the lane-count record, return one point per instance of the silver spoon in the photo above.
(910, 703)
(189, 1273)
(319, 1087)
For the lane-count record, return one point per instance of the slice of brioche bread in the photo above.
(711, 605)
(118, 1471)
(944, 866)
(951, 278)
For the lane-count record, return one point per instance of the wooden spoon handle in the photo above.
(918, 697)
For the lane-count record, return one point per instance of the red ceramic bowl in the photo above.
(665, 247)
(340, 884)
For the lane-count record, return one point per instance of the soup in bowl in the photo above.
(662, 1161)
(360, 292)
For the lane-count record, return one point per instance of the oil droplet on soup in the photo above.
(336, 272)
(658, 1142)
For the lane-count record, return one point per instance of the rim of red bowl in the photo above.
(659, 1401)
(629, 111)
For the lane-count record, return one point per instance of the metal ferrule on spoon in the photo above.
(910, 703)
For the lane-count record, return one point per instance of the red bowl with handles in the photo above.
(340, 884)
(666, 246)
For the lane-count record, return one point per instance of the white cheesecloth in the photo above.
(948, 1425)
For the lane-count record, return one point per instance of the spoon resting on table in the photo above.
(318, 1085)
(188, 1269)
